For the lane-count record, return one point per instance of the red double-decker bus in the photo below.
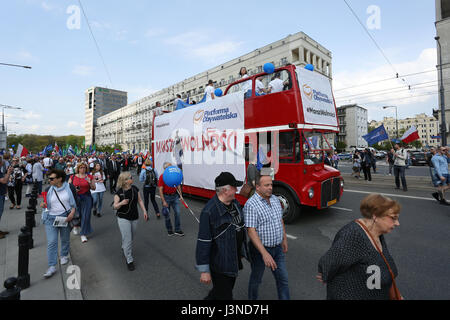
(290, 123)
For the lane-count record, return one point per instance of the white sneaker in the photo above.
(84, 239)
(51, 271)
(75, 230)
(64, 260)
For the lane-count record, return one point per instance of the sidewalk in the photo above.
(378, 179)
(40, 288)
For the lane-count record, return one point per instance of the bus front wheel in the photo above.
(291, 210)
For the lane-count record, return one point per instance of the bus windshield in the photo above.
(315, 145)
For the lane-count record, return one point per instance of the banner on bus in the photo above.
(203, 140)
(317, 98)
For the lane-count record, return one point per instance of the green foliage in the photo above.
(340, 146)
(35, 143)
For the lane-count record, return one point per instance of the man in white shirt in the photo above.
(259, 87)
(48, 164)
(209, 90)
(276, 85)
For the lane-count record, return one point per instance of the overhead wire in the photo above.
(373, 40)
(96, 44)
(387, 79)
(390, 90)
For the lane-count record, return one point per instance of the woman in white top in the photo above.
(97, 194)
(247, 85)
(60, 204)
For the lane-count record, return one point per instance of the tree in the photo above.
(340, 146)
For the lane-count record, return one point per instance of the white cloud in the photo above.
(46, 6)
(32, 116)
(82, 70)
(74, 124)
(154, 32)
(121, 35)
(348, 89)
(201, 45)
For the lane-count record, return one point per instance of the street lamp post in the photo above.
(396, 118)
(441, 93)
(14, 65)
(4, 106)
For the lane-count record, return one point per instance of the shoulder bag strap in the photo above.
(382, 255)
(60, 200)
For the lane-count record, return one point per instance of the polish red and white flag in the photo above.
(412, 134)
(21, 151)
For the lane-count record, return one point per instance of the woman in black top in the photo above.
(353, 268)
(125, 202)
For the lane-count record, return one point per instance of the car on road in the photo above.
(345, 156)
(418, 158)
(380, 155)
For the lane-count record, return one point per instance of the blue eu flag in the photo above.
(377, 135)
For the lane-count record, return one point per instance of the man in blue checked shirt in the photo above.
(265, 227)
(440, 163)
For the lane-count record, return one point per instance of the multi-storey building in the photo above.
(352, 126)
(98, 102)
(427, 126)
(130, 126)
(443, 31)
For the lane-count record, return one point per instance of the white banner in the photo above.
(203, 140)
(317, 98)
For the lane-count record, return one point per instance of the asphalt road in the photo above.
(165, 265)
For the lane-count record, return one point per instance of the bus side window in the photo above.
(286, 148)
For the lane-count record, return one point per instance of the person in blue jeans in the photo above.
(60, 203)
(149, 176)
(4, 178)
(268, 246)
(170, 199)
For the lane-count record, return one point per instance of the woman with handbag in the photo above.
(358, 266)
(126, 202)
(84, 182)
(60, 203)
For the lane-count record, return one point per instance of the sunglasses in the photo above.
(52, 178)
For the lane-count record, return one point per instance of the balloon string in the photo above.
(186, 206)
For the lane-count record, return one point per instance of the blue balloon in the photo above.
(218, 92)
(13, 145)
(172, 176)
(309, 67)
(269, 68)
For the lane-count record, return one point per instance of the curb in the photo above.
(71, 280)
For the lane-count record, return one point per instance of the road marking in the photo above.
(345, 209)
(291, 237)
(391, 195)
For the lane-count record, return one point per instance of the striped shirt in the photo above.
(265, 218)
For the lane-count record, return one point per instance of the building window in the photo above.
(445, 9)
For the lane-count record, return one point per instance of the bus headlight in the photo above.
(311, 193)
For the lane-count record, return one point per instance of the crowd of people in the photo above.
(228, 232)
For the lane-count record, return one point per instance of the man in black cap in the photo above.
(222, 239)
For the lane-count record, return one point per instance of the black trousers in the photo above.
(150, 191)
(17, 190)
(367, 175)
(113, 182)
(222, 287)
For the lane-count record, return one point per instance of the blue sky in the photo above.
(149, 45)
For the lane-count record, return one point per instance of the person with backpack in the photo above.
(149, 176)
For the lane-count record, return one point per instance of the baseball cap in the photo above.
(226, 178)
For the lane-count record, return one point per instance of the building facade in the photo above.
(443, 32)
(130, 126)
(99, 102)
(353, 121)
(427, 126)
